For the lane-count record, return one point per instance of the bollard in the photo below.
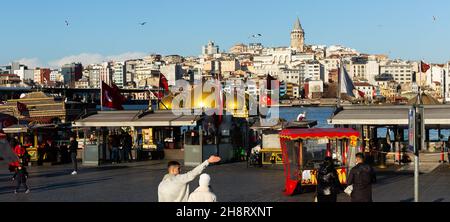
(448, 155)
(442, 160)
(399, 156)
(328, 152)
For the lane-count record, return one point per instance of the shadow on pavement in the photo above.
(407, 200)
(67, 171)
(9, 189)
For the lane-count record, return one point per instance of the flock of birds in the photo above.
(144, 23)
(251, 36)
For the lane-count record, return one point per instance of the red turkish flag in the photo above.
(266, 100)
(163, 83)
(158, 95)
(361, 94)
(118, 94)
(424, 67)
(111, 97)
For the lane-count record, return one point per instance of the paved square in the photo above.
(138, 182)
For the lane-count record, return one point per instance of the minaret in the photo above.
(298, 37)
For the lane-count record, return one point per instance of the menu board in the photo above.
(147, 139)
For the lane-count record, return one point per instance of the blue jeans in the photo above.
(115, 154)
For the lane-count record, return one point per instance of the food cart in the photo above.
(270, 136)
(304, 150)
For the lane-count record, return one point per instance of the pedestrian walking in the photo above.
(204, 192)
(115, 144)
(127, 143)
(21, 153)
(174, 187)
(328, 184)
(21, 176)
(448, 150)
(73, 148)
(361, 177)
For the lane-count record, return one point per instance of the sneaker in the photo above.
(74, 173)
(15, 192)
(28, 191)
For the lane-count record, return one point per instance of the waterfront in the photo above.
(321, 115)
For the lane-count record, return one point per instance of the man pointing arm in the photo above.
(174, 186)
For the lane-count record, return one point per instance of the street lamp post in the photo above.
(416, 120)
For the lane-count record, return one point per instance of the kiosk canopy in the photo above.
(332, 133)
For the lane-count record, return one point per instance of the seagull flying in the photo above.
(67, 23)
(434, 18)
(142, 23)
(255, 36)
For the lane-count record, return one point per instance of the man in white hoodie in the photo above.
(203, 193)
(174, 187)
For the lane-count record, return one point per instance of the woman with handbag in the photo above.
(328, 185)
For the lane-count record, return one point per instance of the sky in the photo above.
(34, 31)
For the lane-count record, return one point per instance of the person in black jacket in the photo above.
(127, 143)
(362, 176)
(21, 176)
(328, 185)
(73, 148)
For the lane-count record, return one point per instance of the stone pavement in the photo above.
(138, 182)
(428, 163)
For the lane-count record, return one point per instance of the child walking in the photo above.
(21, 176)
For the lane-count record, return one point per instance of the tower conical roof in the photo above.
(298, 25)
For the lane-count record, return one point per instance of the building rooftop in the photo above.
(389, 115)
(298, 25)
(426, 100)
(362, 84)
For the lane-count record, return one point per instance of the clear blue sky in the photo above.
(35, 29)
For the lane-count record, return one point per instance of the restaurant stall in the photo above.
(34, 136)
(155, 134)
(305, 149)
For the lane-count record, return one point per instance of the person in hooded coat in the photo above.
(328, 185)
(203, 193)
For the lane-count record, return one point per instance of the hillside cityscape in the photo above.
(304, 71)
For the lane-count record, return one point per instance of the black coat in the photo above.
(362, 176)
(328, 180)
(73, 146)
(127, 141)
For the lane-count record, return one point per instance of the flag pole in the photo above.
(431, 70)
(340, 72)
(445, 82)
(445, 88)
(419, 81)
(159, 90)
(101, 94)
